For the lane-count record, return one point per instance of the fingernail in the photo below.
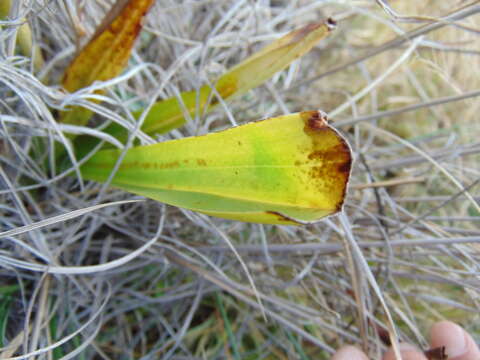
(456, 343)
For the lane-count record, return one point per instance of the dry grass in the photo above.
(144, 280)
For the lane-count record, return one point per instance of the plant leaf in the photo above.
(285, 170)
(24, 37)
(106, 54)
(168, 114)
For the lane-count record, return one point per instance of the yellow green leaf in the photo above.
(5, 6)
(166, 115)
(169, 114)
(285, 170)
(275, 57)
(106, 54)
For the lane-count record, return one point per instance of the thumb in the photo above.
(349, 353)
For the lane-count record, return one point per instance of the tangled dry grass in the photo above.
(142, 280)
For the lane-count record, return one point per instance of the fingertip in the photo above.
(408, 351)
(349, 353)
(459, 345)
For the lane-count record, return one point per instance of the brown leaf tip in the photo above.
(382, 334)
(345, 167)
(299, 34)
(331, 24)
(437, 353)
(315, 120)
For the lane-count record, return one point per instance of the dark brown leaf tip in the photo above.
(331, 24)
(437, 353)
(383, 334)
(315, 120)
(299, 34)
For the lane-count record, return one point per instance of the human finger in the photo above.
(408, 351)
(459, 345)
(349, 353)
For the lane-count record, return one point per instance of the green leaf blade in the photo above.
(289, 169)
(106, 54)
(250, 73)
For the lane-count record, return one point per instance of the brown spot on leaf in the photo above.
(226, 87)
(168, 165)
(328, 161)
(345, 167)
(148, 165)
(335, 154)
(314, 121)
(129, 165)
(318, 154)
(201, 162)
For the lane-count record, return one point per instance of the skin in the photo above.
(459, 345)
